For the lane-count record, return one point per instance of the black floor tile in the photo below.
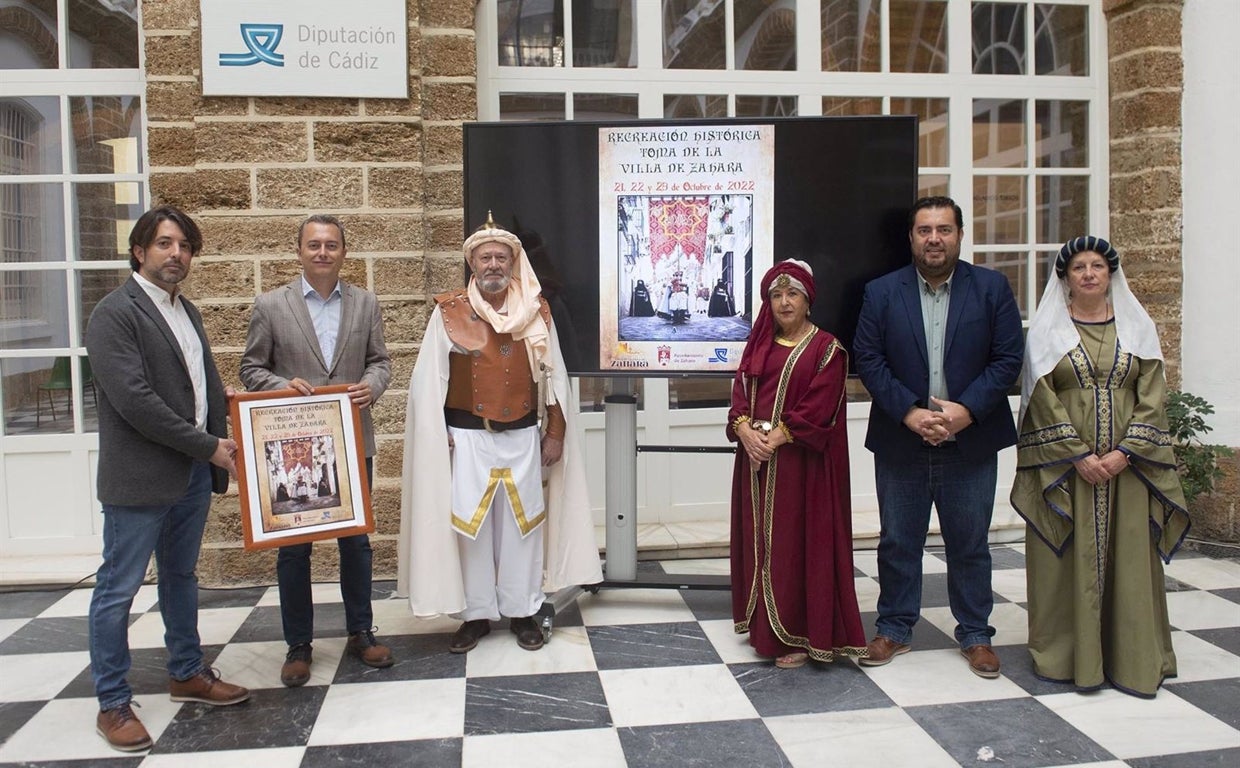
(27, 605)
(59, 635)
(835, 687)
(708, 604)
(535, 703)
(1220, 698)
(275, 717)
(429, 753)
(418, 657)
(1022, 733)
(241, 597)
(634, 646)
(1218, 758)
(15, 714)
(702, 745)
(1227, 638)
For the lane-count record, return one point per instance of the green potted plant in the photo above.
(1196, 461)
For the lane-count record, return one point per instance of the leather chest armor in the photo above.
(489, 372)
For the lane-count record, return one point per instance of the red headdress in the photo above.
(762, 335)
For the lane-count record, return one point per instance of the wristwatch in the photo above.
(764, 427)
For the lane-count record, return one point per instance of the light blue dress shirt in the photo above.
(325, 314)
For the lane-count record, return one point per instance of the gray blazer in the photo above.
(147, 437)
(282, 345)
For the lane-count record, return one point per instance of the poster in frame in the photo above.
(300, 466)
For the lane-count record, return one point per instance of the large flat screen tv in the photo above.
(650, 237)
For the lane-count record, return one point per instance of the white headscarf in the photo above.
(1052, 334)
(523, 321)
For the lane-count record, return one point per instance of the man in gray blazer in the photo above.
(316, 331)
(163, 448)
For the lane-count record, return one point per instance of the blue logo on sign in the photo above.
(721, 355)
(262, 40)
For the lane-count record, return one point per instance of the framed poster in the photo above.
(301, 466)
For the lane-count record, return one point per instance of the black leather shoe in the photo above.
(466, 638)
(529, 635)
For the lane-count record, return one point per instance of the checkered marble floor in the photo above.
(636, 677)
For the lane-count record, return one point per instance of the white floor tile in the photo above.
(664, 695)
(867, 595)
(498, 655)
(731, 647)
(866, 560)
(633, 606)
(591, 748)
(932, 563)
(1010, 582)
(937, 677)
(216, 626)
(870, 738)
(326, 592)
(715, 566)
(701, 534)
(1197, 659)
(77, 602)
(9, 626)
(654, 536)
(279, 757)
(1130, 727)
(65, 730)
(1205, 573)
(257, 665)
(393, 617)
(393, 711)
(1201, 610)
(37, 676)
(1011, 623)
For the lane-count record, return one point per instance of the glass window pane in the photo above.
(34, 309)
(999, 209)
(93, 285)
(531, 106)
(918, 36)
(103, 35)
(39, 397)
(850, 40)
(107, 133)
(105, 214)
(531, 33)
(998, 39)
(999, 133)
(699, 392)
(1063, 208)
(604, 34)
(766, 35)
(847, 106)
(693, 34)
(932, 185)
(766, 106)
(28, 35)
(1044, 262)
(1061, 35)
(689, 105)
(1062, 134)
(1014, 268)
(593, 392)
(29, 134)
(931, 128)
(31, 223)
(604, 106)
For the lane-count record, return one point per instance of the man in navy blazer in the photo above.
(163, 448)
(938, 346)
(316, 331)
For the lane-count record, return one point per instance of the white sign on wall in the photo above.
(305, 48)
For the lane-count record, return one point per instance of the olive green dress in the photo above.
(1094, 554)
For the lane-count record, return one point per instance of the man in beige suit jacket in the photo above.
(316, 331)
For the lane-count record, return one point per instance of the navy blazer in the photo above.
(147, 437)
(982, 357)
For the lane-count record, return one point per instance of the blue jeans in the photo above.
(293, 576)
(963, 493)
(173, 532)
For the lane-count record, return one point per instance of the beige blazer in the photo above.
(281, 345)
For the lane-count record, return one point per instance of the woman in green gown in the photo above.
(1096, 480)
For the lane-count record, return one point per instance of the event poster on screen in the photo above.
(686, 231)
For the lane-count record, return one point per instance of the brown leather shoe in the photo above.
(982, 660)
(529, 634)
(881, 650)
(296, 670)
(122, 729)
(466, 637)
(364, 646)
(206, 687)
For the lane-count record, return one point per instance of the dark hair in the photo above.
(322, 218)
(144, 229)
(937, 201)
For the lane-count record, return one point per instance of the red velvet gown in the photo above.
(792, 564)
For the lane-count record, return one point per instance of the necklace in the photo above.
(1096, 361)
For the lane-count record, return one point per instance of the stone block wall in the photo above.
(250, 169)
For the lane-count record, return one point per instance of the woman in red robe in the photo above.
(792, 565)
